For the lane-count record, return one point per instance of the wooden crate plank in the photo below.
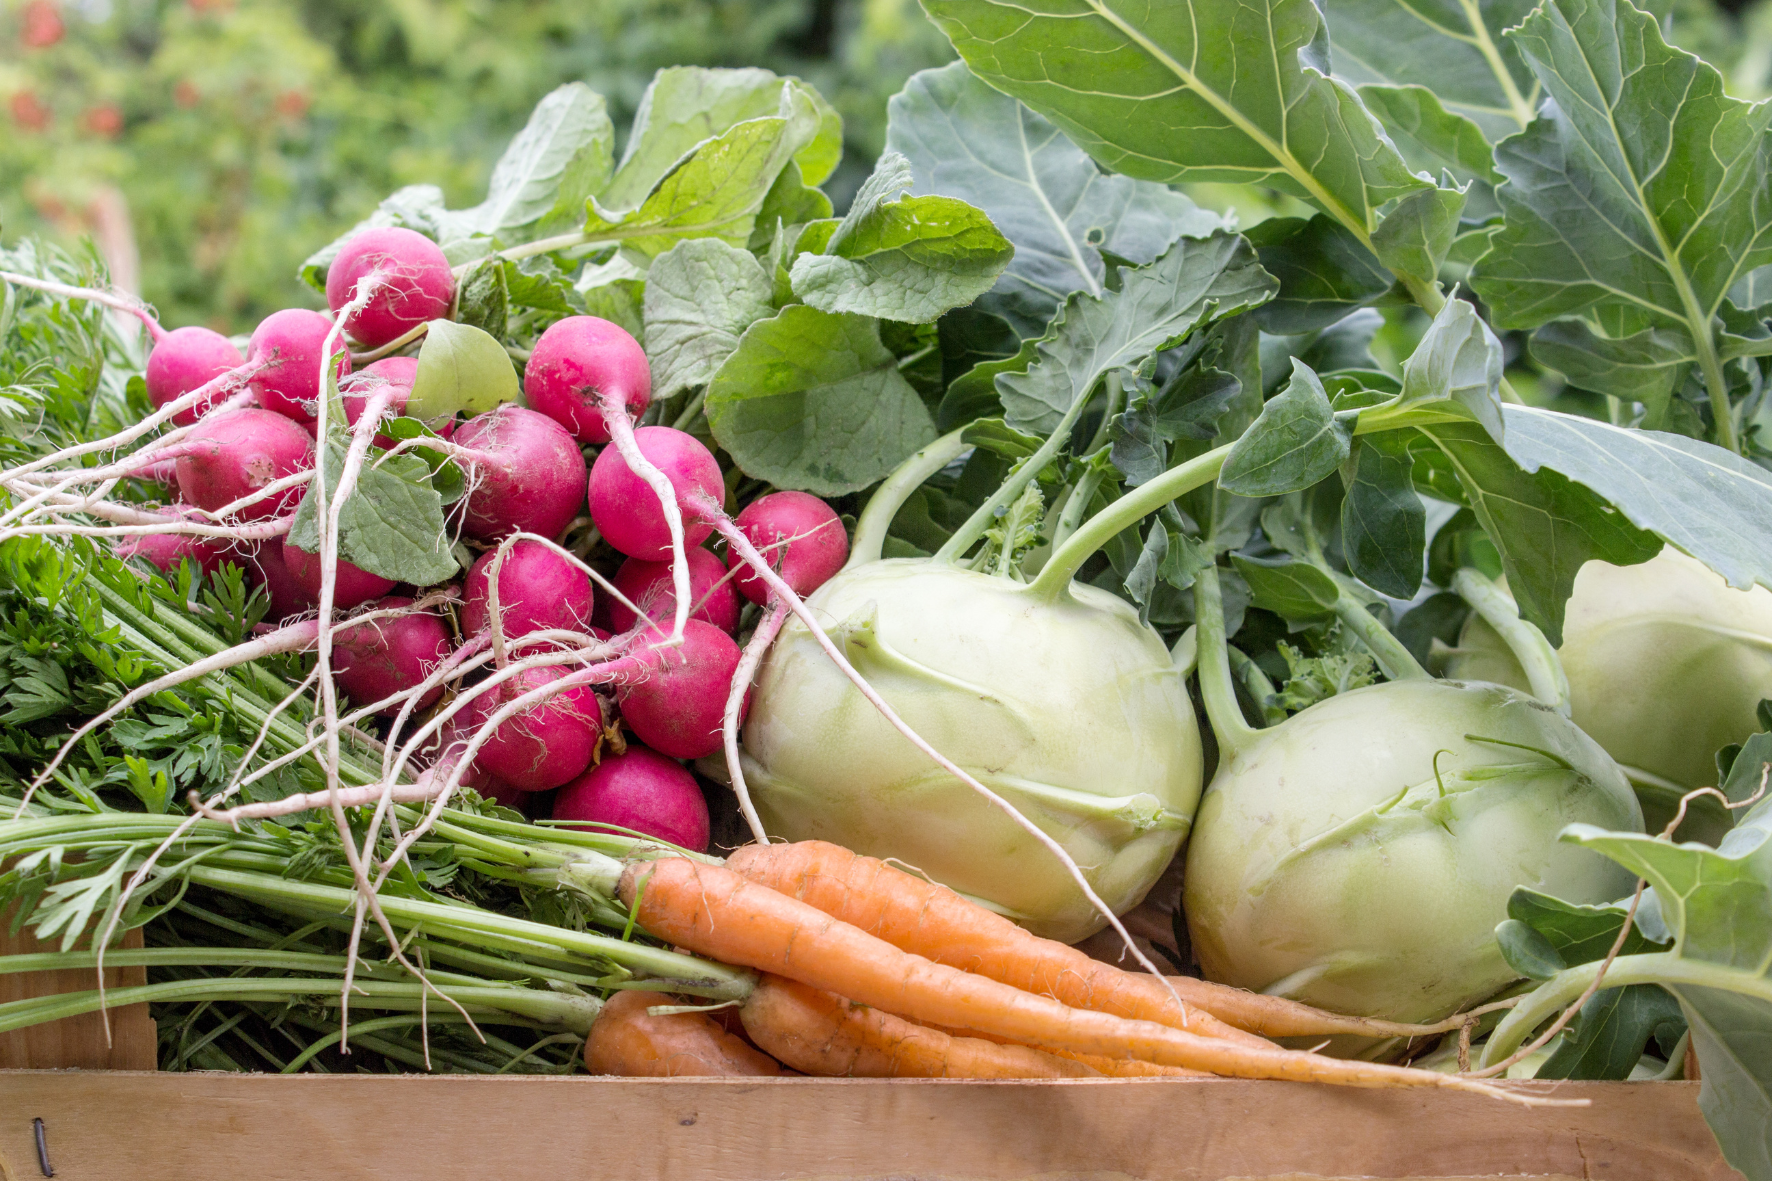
(220, 1127)
(74, 1042)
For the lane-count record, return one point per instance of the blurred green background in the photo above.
(208, 146)
(216, 143)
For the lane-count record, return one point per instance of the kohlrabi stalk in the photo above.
(876, 519)
(1544, 671)
(1217, 689)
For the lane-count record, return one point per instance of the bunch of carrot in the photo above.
(869, 971)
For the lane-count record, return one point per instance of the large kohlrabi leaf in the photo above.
(965, 140)
(1196, 280)
(568, 130)
(900, 257)
(700, 297)
(688, 105)
(814, 401)
(1194, 90)
(1717, 904)
(1639, 197)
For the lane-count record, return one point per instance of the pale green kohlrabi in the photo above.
(1052, 694)
(1666, 663)
(1359, 855)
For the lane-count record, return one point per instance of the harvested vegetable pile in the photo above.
(401, 673)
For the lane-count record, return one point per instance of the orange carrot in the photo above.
(932, 921)
(627, 1040)
(712, 911)
(820, 1033)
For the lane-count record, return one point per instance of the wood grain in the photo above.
(77, 1042)
(219, 1127)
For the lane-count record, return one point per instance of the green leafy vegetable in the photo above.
(392, 523)
(700, 297)
(569, 130)
(460, 367)
(1297, 440)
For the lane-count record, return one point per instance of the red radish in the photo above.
(167, 550)
(640, 790)
(233, 454)
(577, 362)
(627, 511)
(392, 376)
(286, 595)
(648, 585)
(415, 284)
(528, 475)
(382, 657)
(537, 589)
(289, 344)
(505, 795)
(677, 708)
(800, 537)
(352, 586)
(186, 359)
(546, 744)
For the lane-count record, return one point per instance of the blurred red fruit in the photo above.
(42, 25)
(28, 112)
(105, 120)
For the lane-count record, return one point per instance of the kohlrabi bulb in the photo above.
(1666, 663)
(1071, 710)
(1359, 855)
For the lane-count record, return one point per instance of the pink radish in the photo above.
(289, 344)
(185, 359)
(527, 474)
(579, 362)
(286, 595)
(627, 511)
(648, 586)
(799, 535)
(167, 550)
(415, 284)
(546, 744)
(677, 707)
(234, 454)
(390, 375)
(639, 790)
(352, 586)
(537, 589)
(382, 657)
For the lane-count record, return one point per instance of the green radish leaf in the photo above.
(1383, 522)
(1709, 503)
(1527, 951)
(1545, 525)
(1418, 233)
(1615, 1026)
(1290, 589)
(716, 190)
(460, 368)
(700, 297)
(686, 106)
(1297, 441)
(1324, 270)
(1640, 195)
(789, 203)
(902, 258)
(484, 301)
(815, 402)
(966, 140)
(446, 476)
(1646, 367)
(1190, 91)
(1197, 280)
(1455, 50)
(615, 291)
(526, 182)
(392, 524)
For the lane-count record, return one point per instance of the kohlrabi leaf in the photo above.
(1459, 361)
(815, 402)
(1608, 1037)
(1289, 588)
(1644, 367)
(685, 106)
(966, 140)
(1717, 904)
(1430, 137)
(1190, 90)
(1417, 234)
(1714, 505)
(1640, 196)
(973, 394)
(1196, 279)
(1345, 344)
(392, 524)
(569, 127)
(899, 257)
(460, 367)
(700, 297)
(1544, 525)
(716, 190)
(1295, 442)
(1577, 934)
(1383, 522)
(1324, 270)
(971, 339)
(1187, 406)
(1456, 50)
(1141, 581)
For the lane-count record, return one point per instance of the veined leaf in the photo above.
(1383, 522)
(1325, 273)
(815, 402)
(569, 127)
(965, 140)
(392, 525)
(614, 291)
(1289, 588)
(460, 367)
(700, 297)
(1645, 367)
(1195, 90)
(1295, 442)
